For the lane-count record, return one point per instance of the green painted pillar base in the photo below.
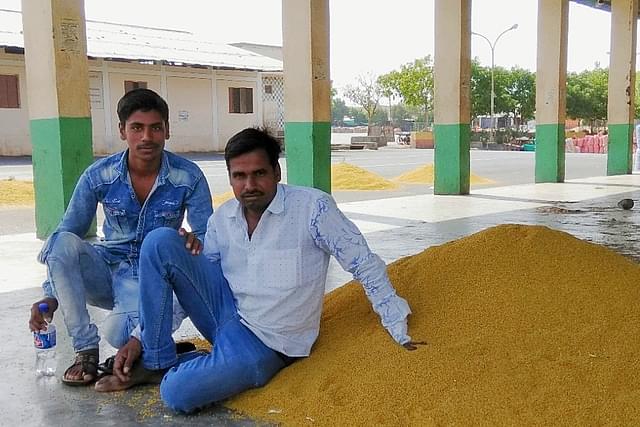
(452, 159)
(308, 151)
(550, 153)
(62, 149)
(620, 149)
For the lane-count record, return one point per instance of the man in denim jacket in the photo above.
(140, 189)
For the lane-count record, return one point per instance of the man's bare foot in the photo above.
(139, 375)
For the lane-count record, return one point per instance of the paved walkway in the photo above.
(395, 227)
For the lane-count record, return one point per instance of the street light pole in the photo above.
(493, 64)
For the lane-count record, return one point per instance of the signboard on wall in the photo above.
(95, 90)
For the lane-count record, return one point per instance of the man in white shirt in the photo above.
(257, 290)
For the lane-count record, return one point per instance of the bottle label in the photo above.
(44, 340)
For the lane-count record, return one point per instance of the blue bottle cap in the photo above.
(43, 307)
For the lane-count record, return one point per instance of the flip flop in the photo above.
(106, 367)
(88, 360)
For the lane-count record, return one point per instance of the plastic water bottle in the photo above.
(45, 343)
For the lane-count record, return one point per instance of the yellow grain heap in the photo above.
(424, 175)
(345, 176)
(526, 326)
(219, 199)
(16, 193)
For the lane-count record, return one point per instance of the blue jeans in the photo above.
(79, 275)
(238, 360)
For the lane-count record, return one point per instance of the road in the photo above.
(502, 167)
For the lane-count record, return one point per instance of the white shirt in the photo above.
(278, 276)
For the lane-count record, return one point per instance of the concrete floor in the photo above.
(395, 227)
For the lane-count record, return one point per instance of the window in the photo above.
(241, 100)
(9, 91)
(130, 85)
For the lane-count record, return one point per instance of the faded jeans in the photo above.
(238, 360)
(79, 275)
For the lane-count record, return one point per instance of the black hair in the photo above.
(251, 139)
(142, 100)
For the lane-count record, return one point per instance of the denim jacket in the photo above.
(180, 186)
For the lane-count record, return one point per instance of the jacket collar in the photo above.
(123, 171)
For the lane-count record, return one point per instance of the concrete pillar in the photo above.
(58, 92)
(452, 80)
(621, 102)
(307, 92)
(551, 77)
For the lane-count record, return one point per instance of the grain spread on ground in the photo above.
(219, 199)
(525, 326)
(424, 175)
(345, 176)
(16, 193)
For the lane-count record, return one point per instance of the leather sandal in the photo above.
(88, 360)
(106, 367)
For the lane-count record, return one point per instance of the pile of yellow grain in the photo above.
(16, 193)
(345, 176)
(219, 199)
(424, 175)
(525, 325)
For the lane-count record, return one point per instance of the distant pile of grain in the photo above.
(16, 193)
(219, 199)
(345, 176)
(526, 326)
(424, 175)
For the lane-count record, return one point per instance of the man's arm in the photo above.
(334, 233)
(77, 219)
(79, 214)
(210, 247)
(199, 208)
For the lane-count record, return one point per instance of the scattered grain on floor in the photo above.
(526, 326)
(16, 193)
(424, 175)
(345, 176)
(219, 199)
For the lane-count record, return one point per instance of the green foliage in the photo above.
(515, 91)
(587, 95)
(413, 83)
(338, 110)
(480, 89)
(521, 90)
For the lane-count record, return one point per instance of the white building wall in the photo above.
(231, 123)
(14, 122)
(198, 103)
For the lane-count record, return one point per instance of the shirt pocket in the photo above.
(167, 217)
(116, 217)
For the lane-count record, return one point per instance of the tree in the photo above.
(521, 88)
(480, 89)
(338, 110)
(366, 94)
(413, 83)
(514, 91)
(587, 95)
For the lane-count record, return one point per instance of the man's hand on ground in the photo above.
(192, 243)
(37, 320)
(125, 357)
(413, 345)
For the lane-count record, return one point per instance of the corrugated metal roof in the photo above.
(137, 43)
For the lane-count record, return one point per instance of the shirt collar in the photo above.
(275, 207)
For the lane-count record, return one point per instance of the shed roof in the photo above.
(137, 43)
